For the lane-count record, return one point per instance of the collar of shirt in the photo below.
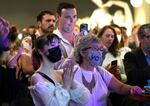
(57, 32)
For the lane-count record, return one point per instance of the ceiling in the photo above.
(23, 12)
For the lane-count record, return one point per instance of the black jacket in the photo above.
(136, 67)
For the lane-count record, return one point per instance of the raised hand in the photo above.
(68, 76)
(114, 70)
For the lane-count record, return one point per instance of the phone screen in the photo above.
(84, 29)
(114, 62)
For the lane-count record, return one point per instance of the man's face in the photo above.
(48, 23)
(146, 41)
(67, 20)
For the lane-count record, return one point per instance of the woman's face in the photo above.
(108, 37)
(93, 54)
(54, 43)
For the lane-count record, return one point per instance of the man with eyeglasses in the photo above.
(137, 62)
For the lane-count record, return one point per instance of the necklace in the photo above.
(89, 85)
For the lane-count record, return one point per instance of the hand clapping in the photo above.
(68, 76)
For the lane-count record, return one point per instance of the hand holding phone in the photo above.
(114, 63)
(83, 29)
(115, 70)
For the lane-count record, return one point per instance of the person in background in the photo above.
(13, 34)
(67, 17)
(46, 21)
(15, 48)
(124, 46)
(133, 40)
(124, 36)
(31, 31)
(20, 69)
(9, 58)
(24, 68)
(137, 62)
(98, 81)
(108, 37)
(51, 87)
(123, 40)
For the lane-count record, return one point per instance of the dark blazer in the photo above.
(136, 68)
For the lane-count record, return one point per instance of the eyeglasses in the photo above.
(93, 48)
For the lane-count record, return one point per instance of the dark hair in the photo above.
(141, 31)
(13, 34)
(42, 13)
(51, 36)
(113, 49)
(64, 5)
(40, 42)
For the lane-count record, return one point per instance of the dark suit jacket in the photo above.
(136, 68)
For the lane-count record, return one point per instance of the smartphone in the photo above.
(114, 63)
(84, 29)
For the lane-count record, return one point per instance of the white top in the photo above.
(100, 92)
(66, 44)
(46, 94)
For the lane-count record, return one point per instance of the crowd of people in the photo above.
(54, 65)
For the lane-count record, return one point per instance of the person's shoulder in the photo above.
(125, 49)
(35, 78)
(109, 54)
(100, 69)
(105, 74)
(135, 53)
(57, 32)
(25, 56)
(128, 54)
